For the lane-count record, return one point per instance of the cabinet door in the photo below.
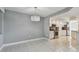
(51, 34)
(74, 38)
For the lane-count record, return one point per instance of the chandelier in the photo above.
(35, 17)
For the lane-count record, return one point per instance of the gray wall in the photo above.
(46, 27)
(0, 22)
(18, 27)
(1, 37)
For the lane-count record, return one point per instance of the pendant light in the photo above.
(35, 17)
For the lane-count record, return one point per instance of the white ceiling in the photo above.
(41, 11)
(73, 12)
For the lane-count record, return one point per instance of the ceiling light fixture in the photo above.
(35, 17)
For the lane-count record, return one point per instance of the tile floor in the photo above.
(36, 46)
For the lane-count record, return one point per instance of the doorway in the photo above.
(63, 34)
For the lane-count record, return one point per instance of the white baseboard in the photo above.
(20, 42)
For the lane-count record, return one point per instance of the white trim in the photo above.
(20, 42)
